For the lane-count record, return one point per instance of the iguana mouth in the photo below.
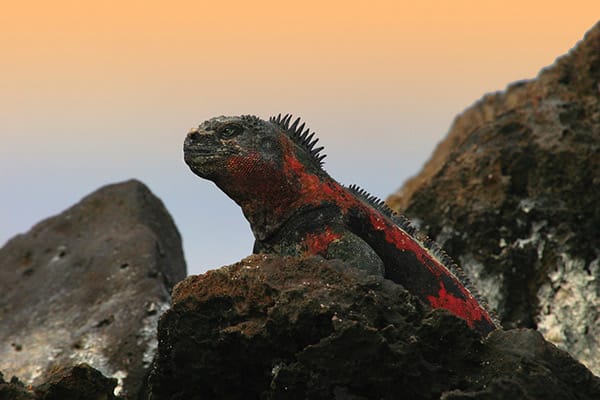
(200, 151)
(202, 154)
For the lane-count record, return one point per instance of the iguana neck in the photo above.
(270, 190)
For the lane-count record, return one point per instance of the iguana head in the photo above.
(262, 165)
(219, 142)
(211, 146)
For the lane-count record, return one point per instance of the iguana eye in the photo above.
(231, 130)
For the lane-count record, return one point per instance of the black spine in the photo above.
(301, 136)
(432, 247)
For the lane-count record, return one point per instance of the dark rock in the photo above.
(14, 390)
(79, 382)
(513, 194)
(88, 285)
(286, 328)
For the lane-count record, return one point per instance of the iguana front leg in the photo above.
(330, 243)
(356, 252)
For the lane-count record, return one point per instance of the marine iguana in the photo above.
(273, 171)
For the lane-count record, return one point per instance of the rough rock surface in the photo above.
(513, 194)
(14, 390)
(79, 382)
(87, 286)
(288, 328)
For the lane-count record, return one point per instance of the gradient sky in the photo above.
(98, 93)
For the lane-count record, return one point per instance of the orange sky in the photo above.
(96, 92)
(80, 46)
(78, 62)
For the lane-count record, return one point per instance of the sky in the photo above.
(93, 93)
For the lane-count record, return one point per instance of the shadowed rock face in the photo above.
(286, 328)
(88, 286)
(78, 382)
(513, 194)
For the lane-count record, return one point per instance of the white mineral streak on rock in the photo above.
(147, 334)
(569, 309)
(489, 286)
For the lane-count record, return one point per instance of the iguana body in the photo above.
(273, 171)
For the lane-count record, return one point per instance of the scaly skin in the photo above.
(273, 172)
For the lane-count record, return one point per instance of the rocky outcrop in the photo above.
(512, 193)
(288, 328)
(88, 286)
(14, 390)
(78, 382)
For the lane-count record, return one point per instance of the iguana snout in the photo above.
(208, 147)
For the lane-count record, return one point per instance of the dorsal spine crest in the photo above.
(404, 223)
(301, 136)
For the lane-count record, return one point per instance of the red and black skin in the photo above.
(273, 171)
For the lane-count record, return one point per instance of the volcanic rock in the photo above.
(274, 327)
(79, 382)
(14, 390)
(87, 286)
(513, 194)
